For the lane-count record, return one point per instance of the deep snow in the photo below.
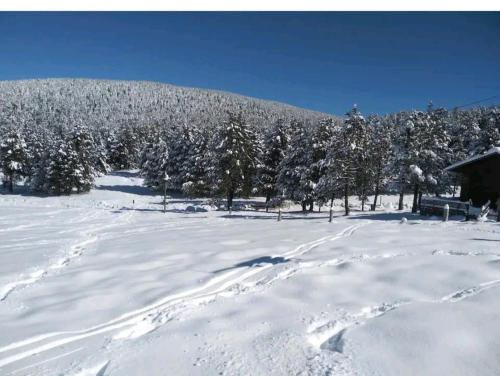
(106, 284)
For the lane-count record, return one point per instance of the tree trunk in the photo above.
(311, 205)
(268, 198)
(414, 208)
(401, 198)
(363, 204)
(376, 196)
(419, 198)
(331, 201)
(304, 205)
(230, 196)
(346, 199)
(11, 183)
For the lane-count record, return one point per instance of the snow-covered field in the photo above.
(107, 284)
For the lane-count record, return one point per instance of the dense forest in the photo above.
(58, 135)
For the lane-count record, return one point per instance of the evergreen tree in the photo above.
(296, 175)
(196, 177)
(234, 157)
(124, 149)
(421, 154)
(13, 158)
(380, 154)
(82, 159)
(437, 154)
(60, 174)
(322, 137)
(179, 152)
(39, 181)
(489, 124)
(274, 146)
(154, 164)
(350, 160)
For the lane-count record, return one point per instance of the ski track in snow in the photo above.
(463, 253)
(75, 251)
(322, 336)
(329, 335)
(144, 320)
(471, 291)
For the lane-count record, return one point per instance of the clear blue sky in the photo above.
(383, 62)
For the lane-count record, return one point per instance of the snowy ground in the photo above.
(107, 284)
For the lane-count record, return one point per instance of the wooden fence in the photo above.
(435, 206)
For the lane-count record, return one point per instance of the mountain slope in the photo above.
(107, 102)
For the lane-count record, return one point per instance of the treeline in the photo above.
(307, 161)
(58, 134)
(318, 162)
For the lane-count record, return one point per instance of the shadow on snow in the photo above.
(132, 189)
(256, 262)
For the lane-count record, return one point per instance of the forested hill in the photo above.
(57, 135)
(113, 103)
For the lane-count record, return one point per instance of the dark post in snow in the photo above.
(280, 204)
(446, 212)
(331, 215)
(165, 180)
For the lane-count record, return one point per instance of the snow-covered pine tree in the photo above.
(329, 184)
(274, 144)
(101, 154)
(421, 153)
(35, 146)
(351, 158)
(234, 157)
(437, 153)
(154, 163)
(13, 158)
(179, 151)
(380, 154)
(60, 175)
(322, 136)
(489, 123)
(408, 144)
(39, 181)
(124, 148)
(296, 176)
(196, 178)
(82, 158)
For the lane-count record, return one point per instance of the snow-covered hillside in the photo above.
(105, 283)
(107, 104)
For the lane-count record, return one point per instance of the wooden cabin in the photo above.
(479, 178)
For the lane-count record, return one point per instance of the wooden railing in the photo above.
(435, 206)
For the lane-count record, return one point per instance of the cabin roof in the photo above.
(490, 153)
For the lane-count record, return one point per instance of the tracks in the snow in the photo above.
(329, 335)
(75, 251)
(141, 321)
